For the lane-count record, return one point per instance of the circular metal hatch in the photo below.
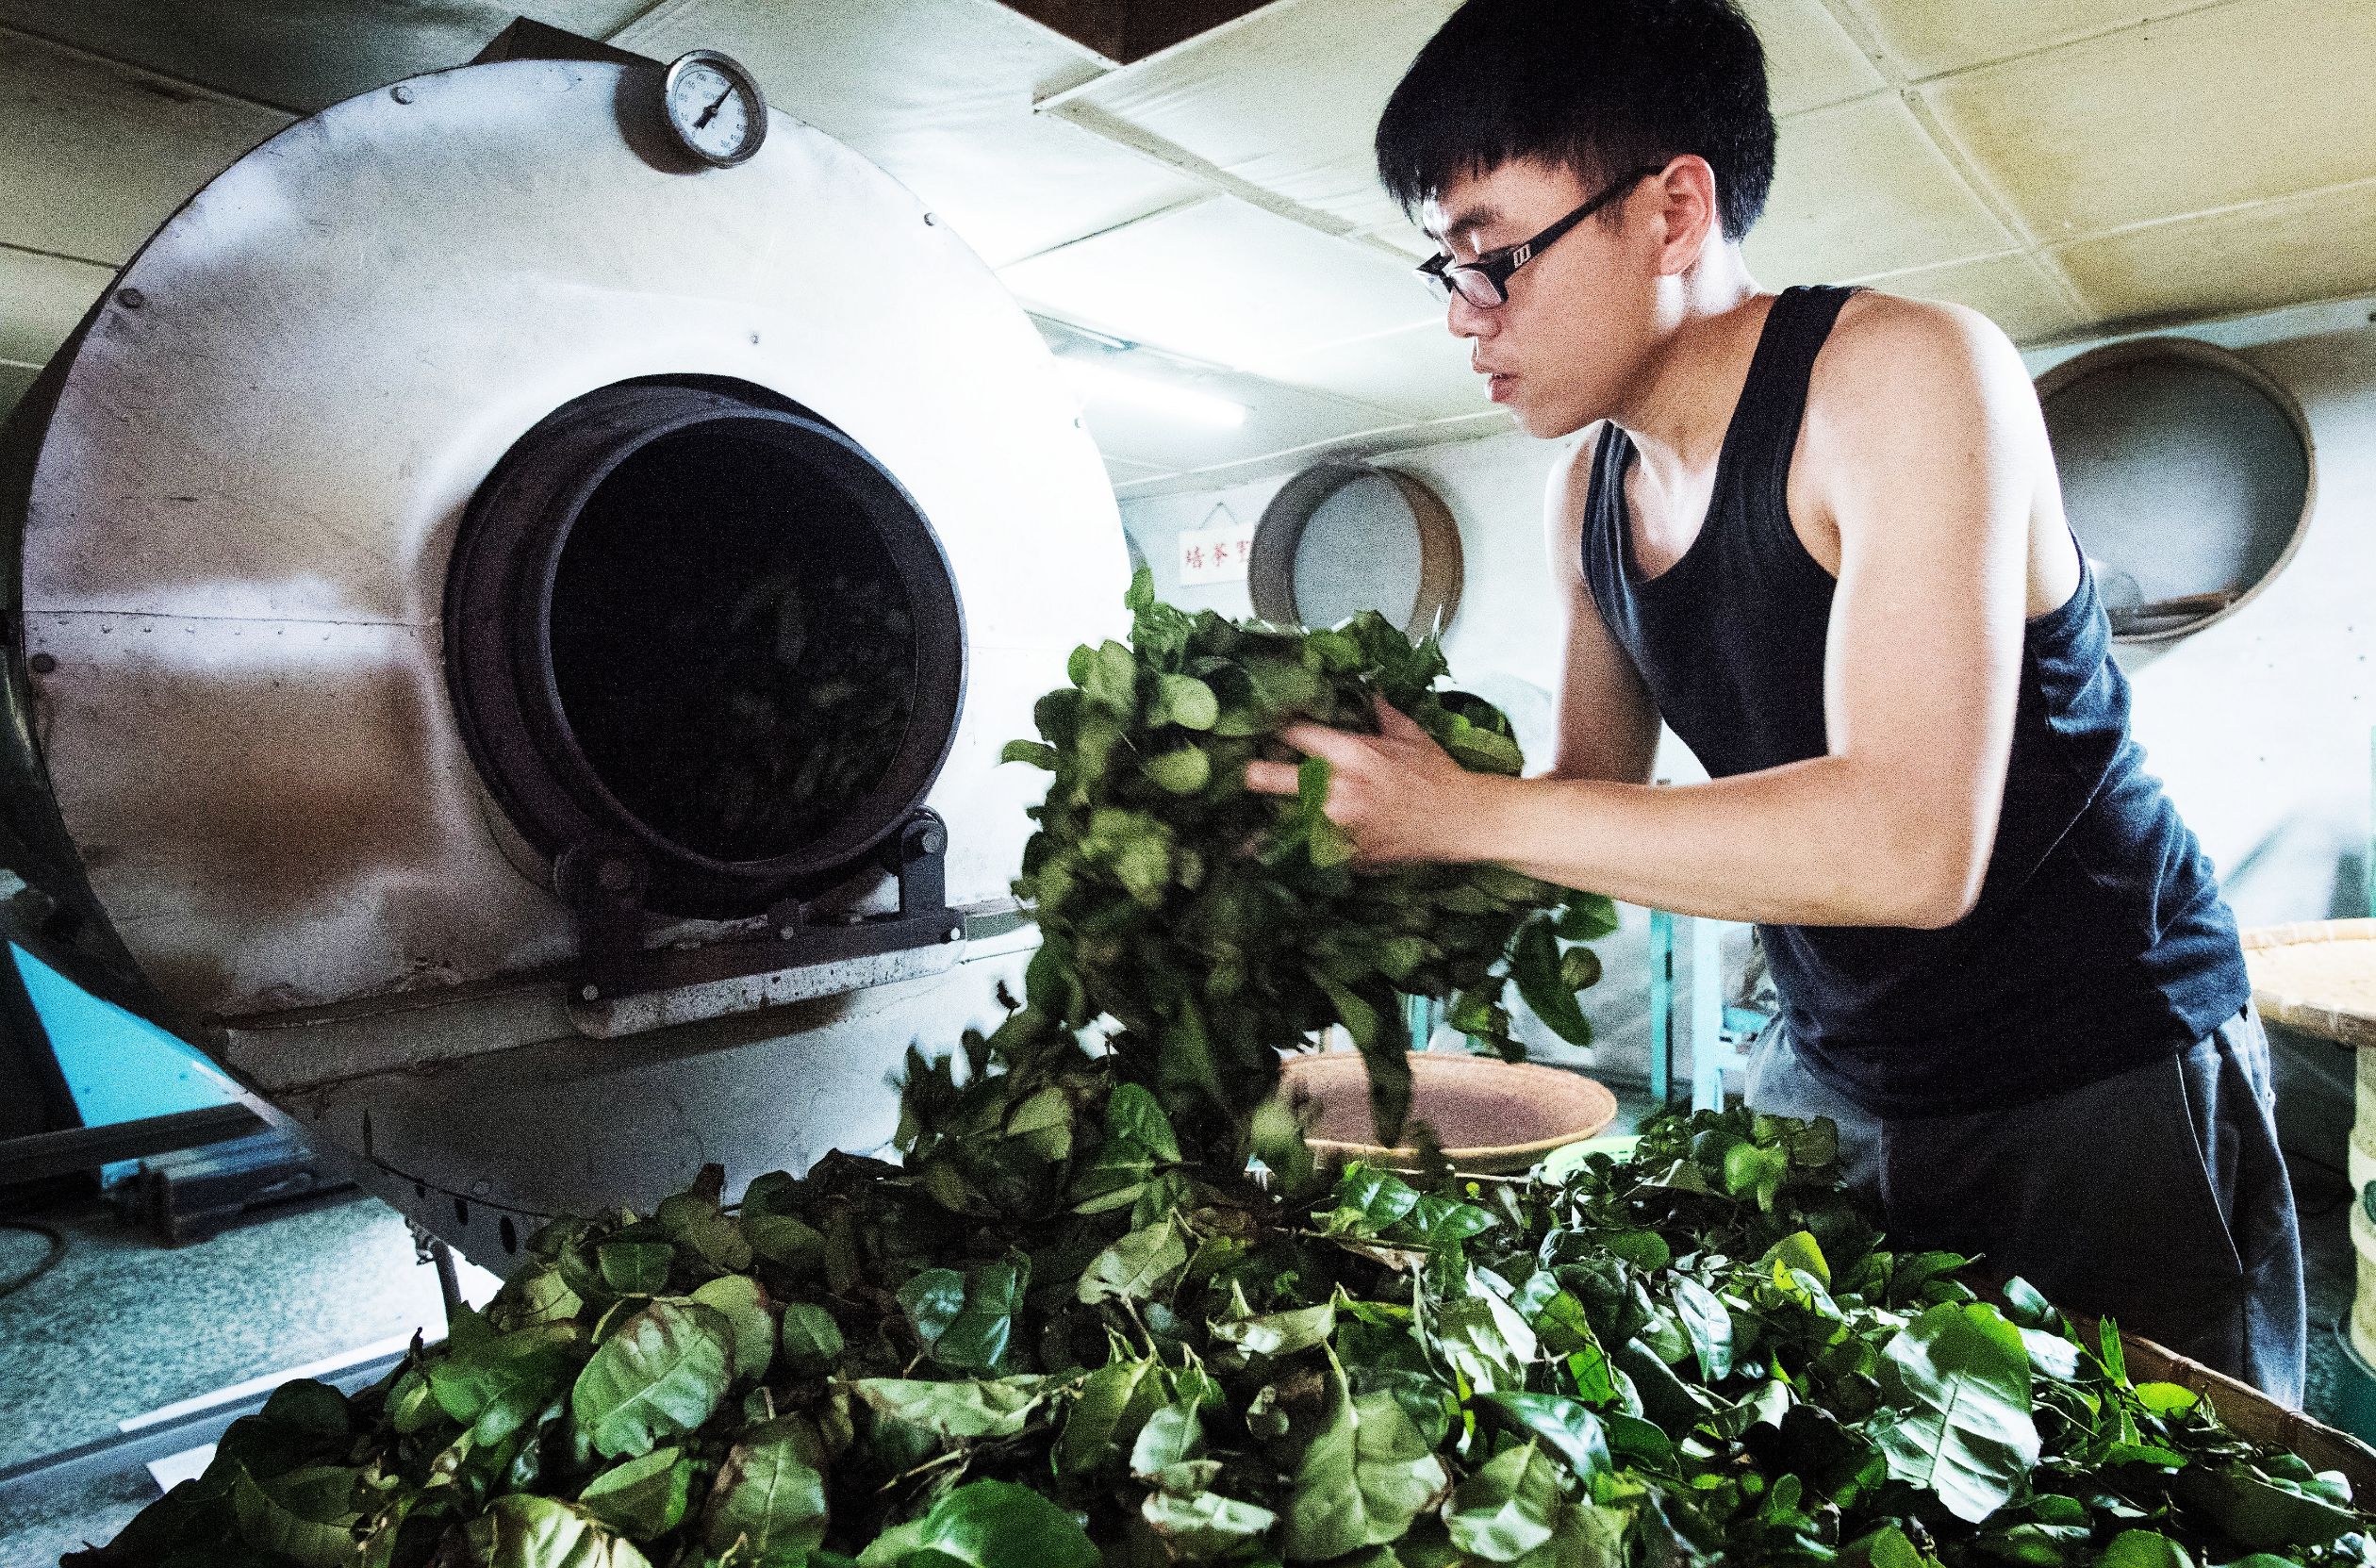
(708, 626)
(1342, 536)
(2187, 474)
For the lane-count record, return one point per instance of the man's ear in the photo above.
(1685, 191)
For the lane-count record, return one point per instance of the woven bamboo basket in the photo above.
(1493, 1118)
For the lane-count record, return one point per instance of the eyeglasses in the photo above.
(1485, 282)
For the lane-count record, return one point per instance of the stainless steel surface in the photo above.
(2189, 475)
(236, 545)
(236, 541)
(570, 1125)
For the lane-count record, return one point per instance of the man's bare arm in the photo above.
(1609, 729)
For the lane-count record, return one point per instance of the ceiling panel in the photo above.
(1287, 99)
(302, 55)
(2016, 291)
(1123, 472)
(1369, 444)
(1401, 238)
(1277, 419)
(41, 298)
(1926, 37)
(939, 92)
(1810, 60)
(2227, 105)
(14, 379)
(1859, 189)
(2317, 246)
(98, 155)
(1420, 372)
(1226, 282)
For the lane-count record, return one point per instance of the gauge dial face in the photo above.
(715, 108)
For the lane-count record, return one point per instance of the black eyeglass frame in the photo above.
(1493, 268)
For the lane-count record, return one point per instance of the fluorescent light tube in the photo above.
(1093, 378)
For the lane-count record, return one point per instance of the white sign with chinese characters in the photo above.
(1216, 552)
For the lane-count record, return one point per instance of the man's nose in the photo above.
(1463, 320)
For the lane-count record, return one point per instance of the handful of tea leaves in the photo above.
(1219, 927)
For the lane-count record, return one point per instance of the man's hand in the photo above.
(1397, 794)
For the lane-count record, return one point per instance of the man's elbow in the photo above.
(1939, 890)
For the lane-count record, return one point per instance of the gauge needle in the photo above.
(711, 113)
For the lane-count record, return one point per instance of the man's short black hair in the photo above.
(1597, 86)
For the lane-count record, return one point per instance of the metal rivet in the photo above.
(402, 93)
(754, 340)
(43, 663)
(589, 993)
(481, 1187)
(131, 299)
(930, 219)
(616, 876)
(785, 934)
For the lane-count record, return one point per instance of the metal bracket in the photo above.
(604, 882)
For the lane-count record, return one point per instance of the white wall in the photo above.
(2259, 726)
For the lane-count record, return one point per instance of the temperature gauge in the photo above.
(714, 107)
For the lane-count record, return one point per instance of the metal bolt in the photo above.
(43, 663)
(954, 933)
(754, 340)
(131, 299)
(615, 876)
(481, 1187)
(933, 841)
(402, 93)
(785, 934)
(930, 219)
(589, 993)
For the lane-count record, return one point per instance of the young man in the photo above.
(1820, 535)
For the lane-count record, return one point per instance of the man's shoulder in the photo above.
(1894, 341)
(1893, 361)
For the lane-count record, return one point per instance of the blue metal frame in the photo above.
(1720, 1034)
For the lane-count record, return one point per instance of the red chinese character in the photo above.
(1196, 557)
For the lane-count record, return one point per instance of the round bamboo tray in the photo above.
(1491, 1117)
(2319, 976)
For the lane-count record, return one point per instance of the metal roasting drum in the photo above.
(368, 536)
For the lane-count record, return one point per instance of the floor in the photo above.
(120, 1327)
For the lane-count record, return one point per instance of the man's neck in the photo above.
(1684, 402)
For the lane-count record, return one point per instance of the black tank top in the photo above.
(2100, 941)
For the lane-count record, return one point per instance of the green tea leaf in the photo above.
(1205, 1524)
(1573, 1430)
(1957, 1418)
(643, 1497)
(1188, 703)
(997, 1524)
(1534, 964)
(526, 1532)
(745, 1305)
(811, 1340)
(1508, 1508)
(1140, 1265)
(966, 1408)
(661, 1374)
(768, 1497)
(1362, 1479)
